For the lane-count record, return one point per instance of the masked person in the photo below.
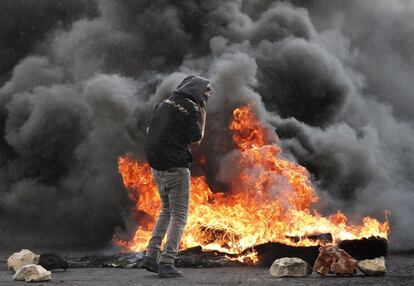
(177, 122)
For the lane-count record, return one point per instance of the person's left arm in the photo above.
(197, 125)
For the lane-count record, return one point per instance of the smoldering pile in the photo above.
(78, 86)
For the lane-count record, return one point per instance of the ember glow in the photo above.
(270, 200)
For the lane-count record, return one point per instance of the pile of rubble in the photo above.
(30, 267)
(331, 260)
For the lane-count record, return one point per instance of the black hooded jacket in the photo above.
(175, 124)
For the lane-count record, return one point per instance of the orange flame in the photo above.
(269, 200)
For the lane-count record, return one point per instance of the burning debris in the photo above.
(265, 215)
(323, 237)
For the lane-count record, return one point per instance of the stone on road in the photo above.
(372, 267)
(32, 273)
(332, 259)
(19, 259)
(290, 267)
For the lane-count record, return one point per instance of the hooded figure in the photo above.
(194, 88)
(176, 122)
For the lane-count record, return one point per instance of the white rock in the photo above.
(19, 259)
(372, 267)
(290, 266)
(32, 273)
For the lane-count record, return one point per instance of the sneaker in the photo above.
(168, 270)
(150, 264)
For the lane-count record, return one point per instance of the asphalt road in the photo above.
(400, 271)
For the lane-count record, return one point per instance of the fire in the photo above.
(270, 200)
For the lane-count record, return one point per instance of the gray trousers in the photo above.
(174, 188)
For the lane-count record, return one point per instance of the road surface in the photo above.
(400, 271)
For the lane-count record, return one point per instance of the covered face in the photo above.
(195, 88)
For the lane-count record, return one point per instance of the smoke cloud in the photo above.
(78, 80)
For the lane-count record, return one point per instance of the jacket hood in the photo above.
(193, 87)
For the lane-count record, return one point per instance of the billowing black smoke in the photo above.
(79, 79)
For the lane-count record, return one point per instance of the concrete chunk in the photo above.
(19, 259)
(290, 266)
(32, 273)
(372, 267)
